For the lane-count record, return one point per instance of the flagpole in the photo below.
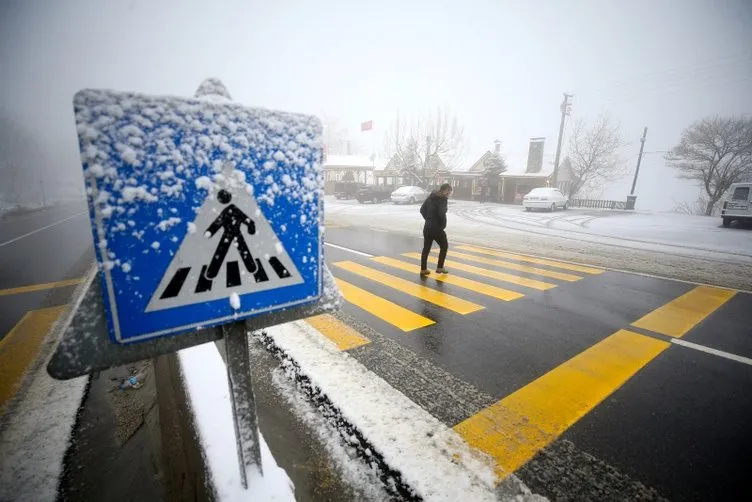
(369, 125)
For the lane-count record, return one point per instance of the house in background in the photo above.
(468, 184)
(338, 168)
(392, 176)
(511, 187)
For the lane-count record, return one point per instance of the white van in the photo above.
(739, 206)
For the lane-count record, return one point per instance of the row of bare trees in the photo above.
(415, 146)
(418, 146)
(715, 152)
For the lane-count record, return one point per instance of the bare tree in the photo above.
(336, 138)
(418, 146)
(698, 207)
(592, 154)
(715, 152)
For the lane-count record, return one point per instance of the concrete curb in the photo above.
(187, 475)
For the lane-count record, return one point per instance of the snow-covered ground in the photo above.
(430, 458)
(691, 248)
(205, 378)
(35, 434)
(641, 230)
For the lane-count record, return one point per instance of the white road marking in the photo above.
(380, 230)
(715, 352)
(361, 253)
(40, 229)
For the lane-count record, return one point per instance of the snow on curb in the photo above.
(419, 451)
(205, 378)
(36, 433)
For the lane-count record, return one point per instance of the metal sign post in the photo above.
(237, 360)
(206, 223)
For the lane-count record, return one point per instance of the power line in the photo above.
(731, 60)
(657, 92)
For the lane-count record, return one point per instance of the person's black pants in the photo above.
(430, 235)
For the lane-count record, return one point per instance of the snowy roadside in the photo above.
(35, 432)
(373, 431)
(205, 377)
(416, 455)
(675, 262)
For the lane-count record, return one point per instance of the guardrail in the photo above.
(598, 204)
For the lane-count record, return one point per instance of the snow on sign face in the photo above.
(203, 212)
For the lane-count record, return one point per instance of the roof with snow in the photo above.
(354, 161)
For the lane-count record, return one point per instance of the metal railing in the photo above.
(598, 204)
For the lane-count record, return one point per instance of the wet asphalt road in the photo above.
(677, 429)
(40, 248)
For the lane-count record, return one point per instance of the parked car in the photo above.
(545, 198)
(409, 195)
(739, 206)
(346, 189)
(373, 194)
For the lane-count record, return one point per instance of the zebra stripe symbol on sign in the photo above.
(229, 248)
(233, 275)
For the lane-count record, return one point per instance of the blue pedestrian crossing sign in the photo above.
(203, 211)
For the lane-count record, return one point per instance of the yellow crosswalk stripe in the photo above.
(529, 259)
(478, 287)
(513, 430)
(404, 319)
(501, 276)
(516, 266)
(417, 290)
(679, 316)
(343, 336)
(20, 347)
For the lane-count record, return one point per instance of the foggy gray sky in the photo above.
(501, 66)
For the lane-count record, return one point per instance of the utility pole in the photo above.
(639, 159)
(565, 109)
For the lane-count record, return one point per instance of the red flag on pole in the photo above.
(366, 126)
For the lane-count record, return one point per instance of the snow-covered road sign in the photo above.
(203, 211)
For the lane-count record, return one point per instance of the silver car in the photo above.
(409, 195)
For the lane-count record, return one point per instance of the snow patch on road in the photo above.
(360, 475)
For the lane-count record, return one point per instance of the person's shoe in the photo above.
(442, 271)
(425, 273)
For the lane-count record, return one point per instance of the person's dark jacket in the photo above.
(434, 211)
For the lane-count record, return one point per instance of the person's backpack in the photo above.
(423, 209)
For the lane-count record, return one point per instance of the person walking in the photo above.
(434, 211)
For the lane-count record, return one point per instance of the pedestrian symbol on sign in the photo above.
(231, 219)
